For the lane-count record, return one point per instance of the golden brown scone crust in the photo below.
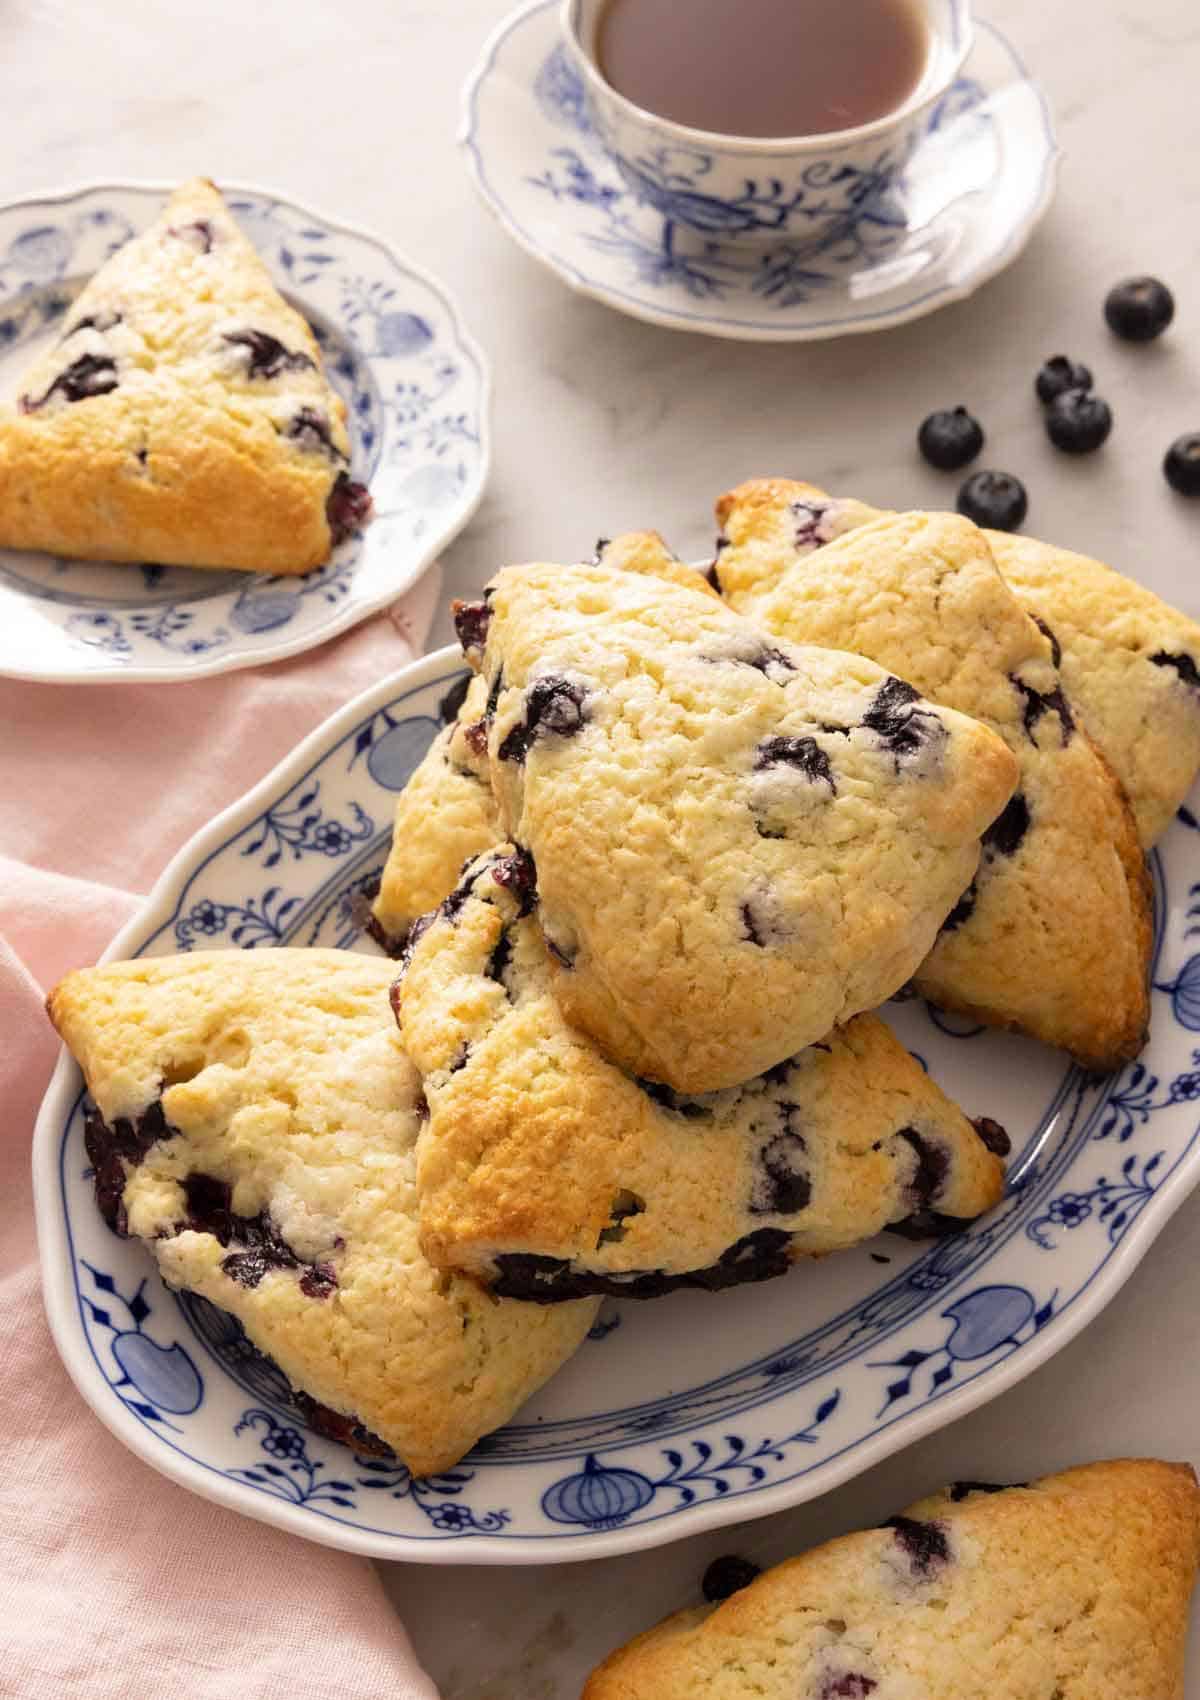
(689, 864)
(1073, 1588)
(1054, 936)
(1130, 663)
(192, 459)
(290, 1085)
(446, 814)
(537, 1146)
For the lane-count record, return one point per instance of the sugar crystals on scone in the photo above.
(255, 1124)
(183, 414)
(739, 843)
(1074, 1587)
(1129, 662)
(548, 1172)
(1053, 936)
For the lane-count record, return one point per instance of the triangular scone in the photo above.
(1053, 937)
(183, 415)
(739, 843)
(1130, 663)
(255, 1122)
(1074, 1587)
(547, 1172)
(445, 813)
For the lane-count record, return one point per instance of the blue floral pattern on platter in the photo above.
(890, 238)
(769, 1402)
(415, 388)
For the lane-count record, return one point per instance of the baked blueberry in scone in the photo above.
(1053, 935)
(254, 1123)
(445, 814)
(1129, 662)
(548, 1172)
(740, 843)
(1074, 1587)
(182, 416)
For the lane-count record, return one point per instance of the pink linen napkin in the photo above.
(113, 1581)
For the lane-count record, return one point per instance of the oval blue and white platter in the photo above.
(678, 1414)
(416, 389)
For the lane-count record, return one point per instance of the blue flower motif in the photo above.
(451, 1517)
(1070, 1209)
(207, 917)
(331, 838)
(558, 90)
(283, 1443)
(1185, 1089)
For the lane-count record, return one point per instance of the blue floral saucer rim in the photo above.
(677, 1415)
(791, 295)
(418, 391)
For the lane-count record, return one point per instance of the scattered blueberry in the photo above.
(1139, 309)
(90, 375)
(1078, 422)
(950, 438)
(267, 356)
(727, 1575)
(1182, 464)
(1060, 373)
(994, 499)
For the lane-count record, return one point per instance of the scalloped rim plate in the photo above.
(682, 1413)
(417, 390)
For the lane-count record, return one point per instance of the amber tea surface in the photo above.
(764, 67)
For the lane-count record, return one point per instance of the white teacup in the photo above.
(807, 189)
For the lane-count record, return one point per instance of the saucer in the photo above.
(646, 240)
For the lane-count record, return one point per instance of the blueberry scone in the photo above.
(183, 414)
(1130, 663)
(1074, 1587)
(446, 814)
(739, 843)
(547, 1172)
(254, 1123)
(1053, 935)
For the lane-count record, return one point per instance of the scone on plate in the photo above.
(446, 814)
(739, 842)
(1129, 662)
(547, 1172)
(182, 416)
(255, 1123)
(1053, 936)
(1074, 1587)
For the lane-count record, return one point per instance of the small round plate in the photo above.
(968, 201)
(416, 390)
(678, 1414)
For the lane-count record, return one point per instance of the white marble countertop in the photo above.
(602, 423)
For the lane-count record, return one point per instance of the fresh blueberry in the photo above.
(1139, 309)
(1182, 464)
(1078, 422)
(1060, 373)
(950, 439)
(994, 499)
